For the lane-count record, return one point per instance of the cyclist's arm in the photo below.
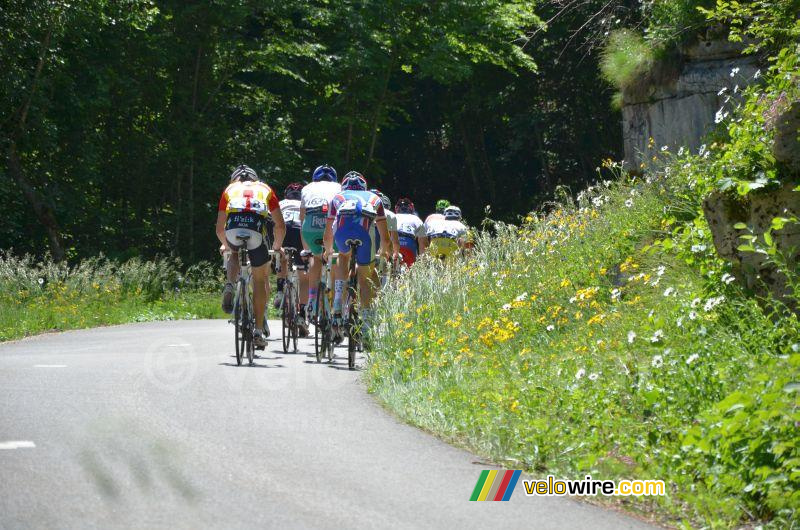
(220, 229)
(423, 243)
(384, 232)
(395, 241)
(279, 230)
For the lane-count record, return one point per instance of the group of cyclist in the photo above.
(320, 218)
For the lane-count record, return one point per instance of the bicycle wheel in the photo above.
(295, 316)
(285, 324)
(250, 330)
(238, 330)
(319, 325)
(352, 328)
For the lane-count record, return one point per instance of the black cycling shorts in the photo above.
(294, 240)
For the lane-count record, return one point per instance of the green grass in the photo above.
(38, 297)
(604, 338)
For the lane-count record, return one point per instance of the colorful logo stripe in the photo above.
(495, 485)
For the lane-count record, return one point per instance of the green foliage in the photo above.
(45, 296)
(626, 58)
(598, 338)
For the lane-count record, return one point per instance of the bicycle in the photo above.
(350, 317)
(243, 314)
(290, 303)
(323, 314)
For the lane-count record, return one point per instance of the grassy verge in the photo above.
(41, 297)
(604, 338)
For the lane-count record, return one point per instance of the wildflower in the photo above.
(550, 327)
(711, 303)
(631, 337)
(580, 373)
(757, 74)
(41, 281)
(593, 376)
(615, 294)
(679, 322)
(664, 148)
(657, 361)
(521, 297)
(657, 336)
(661, 270)
(669, 291)
(692, 358)
(565, 283)
(629, 203)
(695, 302)
(698, 248)
(692, 315)
(722, 91)
(734, 71)
(702, 150)
(506, 307)
(719, 116)
(727, 278)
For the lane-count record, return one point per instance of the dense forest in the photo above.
(121, 119)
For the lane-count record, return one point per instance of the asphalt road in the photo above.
(154, 425)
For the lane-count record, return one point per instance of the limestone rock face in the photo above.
(787, 144)
(757, 211)
(681, 112)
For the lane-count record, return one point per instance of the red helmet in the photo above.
(293, 191)
(404, 205)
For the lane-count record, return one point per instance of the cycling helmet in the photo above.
(441, 204)
(354, 181)
(405, 205)
(387, 203)
(293, 191)
(324, 172)
(244, 172)
(452, 213)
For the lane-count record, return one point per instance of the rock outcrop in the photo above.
(681, 110)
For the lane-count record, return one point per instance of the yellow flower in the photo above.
(514, 406)
(565, 283)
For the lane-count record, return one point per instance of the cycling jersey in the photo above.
(248, 205)
(444, 236)
(391, 226)
(290, 208)
(354, 212)
(316, 198)
(409, 229)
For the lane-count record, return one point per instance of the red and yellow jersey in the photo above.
(248, 196)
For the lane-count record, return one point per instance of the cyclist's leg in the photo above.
(312, 232)
(259, 261)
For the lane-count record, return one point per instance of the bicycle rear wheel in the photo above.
(319, 323)
(250, 330)
(285, 324)
(238, 331)
(352, 327)
(295, 316)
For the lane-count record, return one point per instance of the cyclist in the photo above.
(290, 208)
(314, 203)
(411, 231)
(441, 204)
(447, 235)
(391, 225)
(351, 215)
(252, 202)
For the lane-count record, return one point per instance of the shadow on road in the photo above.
(245, 365)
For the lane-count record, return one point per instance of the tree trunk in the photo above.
(376, 116)
(42, 210)
(469, 155)
(44, 213)
(548, 179)
(190, 191)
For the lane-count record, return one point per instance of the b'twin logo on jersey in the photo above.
(494, 485)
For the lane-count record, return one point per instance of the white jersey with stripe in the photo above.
(445, 228)
(318, 195)
(410, 225)
(290, 208)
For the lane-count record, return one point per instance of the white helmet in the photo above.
(452, 213)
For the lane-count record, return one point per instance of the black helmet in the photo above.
(244, 172)
(294, 191)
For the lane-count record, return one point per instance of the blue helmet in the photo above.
(325, 172)
(354, 181)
